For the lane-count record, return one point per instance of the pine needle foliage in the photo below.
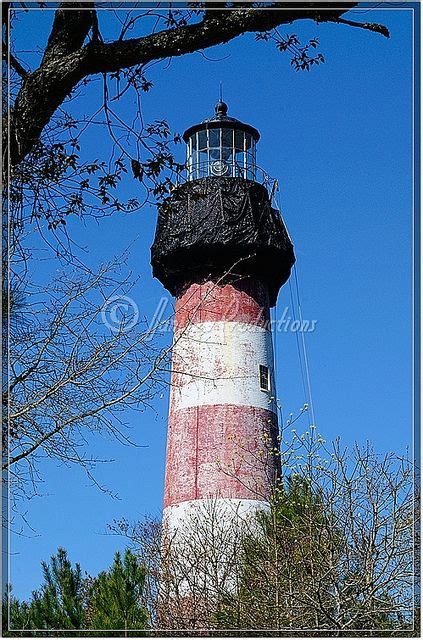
(117, 596)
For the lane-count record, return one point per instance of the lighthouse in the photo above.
(222, 250)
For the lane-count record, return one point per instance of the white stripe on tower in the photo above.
(222, 419)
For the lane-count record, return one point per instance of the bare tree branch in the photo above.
(368, 26)
(16, 65)
(71, 374)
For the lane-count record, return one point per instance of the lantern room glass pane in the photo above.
(227, 135)
(239, 157)
(202, 139)
(202, 166)
(214, 137)
(239, 139)
(215, 153)
(248, 141)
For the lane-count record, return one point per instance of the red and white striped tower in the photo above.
(224, 252)
(222, 419)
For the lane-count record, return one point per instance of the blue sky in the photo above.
(339, 140)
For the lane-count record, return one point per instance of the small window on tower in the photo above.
(264, 378)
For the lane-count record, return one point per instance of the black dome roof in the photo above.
(221, 120)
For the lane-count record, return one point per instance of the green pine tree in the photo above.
(58, 604)
(15, 614)
(117, 596)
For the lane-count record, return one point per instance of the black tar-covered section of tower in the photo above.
(220, 227)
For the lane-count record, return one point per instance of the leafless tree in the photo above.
(80, 355)
(331, 554)
(189, 569)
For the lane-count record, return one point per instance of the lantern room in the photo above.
(221, 147)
